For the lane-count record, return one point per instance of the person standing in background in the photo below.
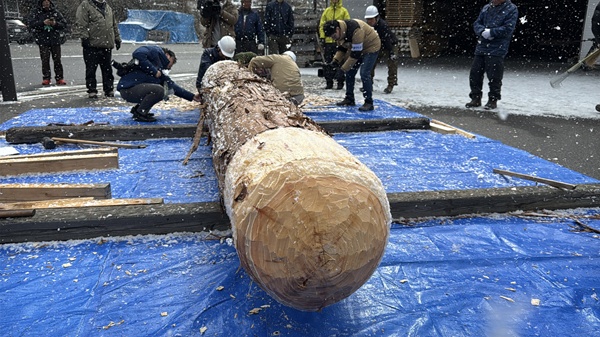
(218, 18)
(596, 32)
(97, 28)
(335, 11)
(279, 26)
(47, 23)
(494, 29)
(249, 30)
(389, 46)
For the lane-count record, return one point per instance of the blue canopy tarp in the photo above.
(139, 22)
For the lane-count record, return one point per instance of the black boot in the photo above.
(340, 86)
(134, 109)
(142, 116)
(346, 102)
(491, 104)
(475, 102)
(329, 85)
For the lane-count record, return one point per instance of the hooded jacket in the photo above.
(217, 27)
(501, 20)
(335, 11)
(151, 59)
(46, 35)
(95, 21)
(356, 38)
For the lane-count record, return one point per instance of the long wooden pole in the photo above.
(310, 222)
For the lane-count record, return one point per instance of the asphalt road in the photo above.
(573, 143)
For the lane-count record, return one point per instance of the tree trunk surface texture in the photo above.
(310, 222)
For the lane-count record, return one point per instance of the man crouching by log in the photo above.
(283, 71)
(147, 83)
(310, 222)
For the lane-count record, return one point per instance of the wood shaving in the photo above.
(164, 314)
(219, 288)
(535, 301)
(507, 298)
(203, 330)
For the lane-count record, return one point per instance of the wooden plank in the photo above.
(16, 213)
(553, 183)
(79, 202)
(32, 192)
(63, 153)
(92, 142)
(92, 222)
(388, 124)
(443, 129)
(20, 166)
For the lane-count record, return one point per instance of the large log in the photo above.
(310, 222)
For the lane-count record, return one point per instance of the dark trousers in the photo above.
(94, 58)
(329, 51)
(278, 44)
(144, 94)
(392, 65)
(45, 53)
(245, 45)
(493, 68)
(365, 64)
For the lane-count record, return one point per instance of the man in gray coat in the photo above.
(97, 28)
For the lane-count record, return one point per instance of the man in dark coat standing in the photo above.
(389, 46)
(249, 33)
(494, 29)
(47, 23)
(279, 26)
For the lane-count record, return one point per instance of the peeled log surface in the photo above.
(310, 222)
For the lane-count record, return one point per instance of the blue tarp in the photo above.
(139, 22)
(498, 275)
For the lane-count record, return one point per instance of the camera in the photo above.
(209, 8)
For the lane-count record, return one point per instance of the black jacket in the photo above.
(47, 35)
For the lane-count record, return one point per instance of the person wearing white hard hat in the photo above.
(224, 50)
(218, 18)
(283, 72)
(389, 46)
(335, 11)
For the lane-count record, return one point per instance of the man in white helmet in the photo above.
(283, 71)
(389, 46)
(224, 50)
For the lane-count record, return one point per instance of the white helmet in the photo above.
(371, 12)
(227, 46)
(290, 54)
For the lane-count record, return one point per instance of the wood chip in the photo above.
(219, 288)
(507, 298)
(203, 330)
(164, 314)
(535, 301)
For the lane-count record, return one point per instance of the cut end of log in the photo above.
(310, 221)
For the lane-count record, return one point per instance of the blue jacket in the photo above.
(501, 20)
(252, 30)
(209, 57)
(151, 59)
(279, 19)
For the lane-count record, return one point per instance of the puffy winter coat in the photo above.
(356, 38)
(217, 27)
(46, 35)
(335, 11)
(501, 20)
(248, 26)
(285, 74)
(151, 59)
(279, 19)
(97, 25)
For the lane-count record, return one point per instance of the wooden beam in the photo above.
(62, 153)
(19, 166)
(79, 202)
(440, 124)
(553, 183)
(33, 192)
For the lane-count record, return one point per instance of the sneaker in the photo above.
(134, 110)
(109, 94)
(389, 89)
(143, 118)
(46, 82)
(340, 86)
(475, 102)
(366, 107)
(490, 105)
(346, 102)
(61, 82)
(93, 95)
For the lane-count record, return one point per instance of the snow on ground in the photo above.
(526, 88)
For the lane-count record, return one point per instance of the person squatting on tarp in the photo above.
(218, 18)
(283, 72)
(97, 28)
(147, 83)
(249, 33)
(335, 11)
(358, 44)
(494, 29)
(389, 46)
(47, 23)
(279, 26)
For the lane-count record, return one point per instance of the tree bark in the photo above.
(310, 222)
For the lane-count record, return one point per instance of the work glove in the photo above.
(117, 44)
(261, 46)
(487, 34)
(85, 43)
(393, 57)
